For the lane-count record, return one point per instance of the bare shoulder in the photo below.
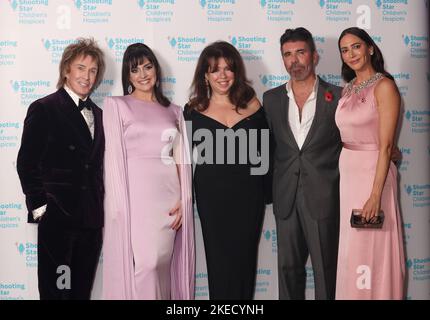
(385, 87)
(254, 104)
(387, 95)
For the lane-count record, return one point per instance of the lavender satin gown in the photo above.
(143, 258)
(371, 262)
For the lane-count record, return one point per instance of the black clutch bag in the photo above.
(358, 221)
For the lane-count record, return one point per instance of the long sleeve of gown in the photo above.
(183, 263)
(118, 282)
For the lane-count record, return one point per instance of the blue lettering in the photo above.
(89, 8)
(244, 45)
(25, 8)
(152, 6)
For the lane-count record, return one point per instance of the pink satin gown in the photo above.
(143, 257)
(371, 262)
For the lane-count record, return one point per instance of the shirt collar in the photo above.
(73, 95)
(311, 96)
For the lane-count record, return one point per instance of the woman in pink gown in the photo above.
(371, 263)
(149, 236)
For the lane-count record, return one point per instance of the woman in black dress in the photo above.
(232, 175)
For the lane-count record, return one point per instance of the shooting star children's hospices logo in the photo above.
(56, 46)
(28, 250)
(118, 45)
(419, 194)
(252, 48)
(278, 10)
(271, 80)
(417, 44)
(157, 11)
(30, 90)
(30, 12)
(187, 48)
(419, 120)
(95, 11)
(393, 11)
(336, 10)
(219, 10)
(10, 213)
(8, 51)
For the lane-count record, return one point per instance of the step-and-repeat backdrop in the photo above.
(33, 34)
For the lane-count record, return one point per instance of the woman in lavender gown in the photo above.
(149, 233)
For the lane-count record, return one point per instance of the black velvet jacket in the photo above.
(60, 165)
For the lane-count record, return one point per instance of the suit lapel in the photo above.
(75, 119)
(98, 129)
(285, 105)
(319, 112)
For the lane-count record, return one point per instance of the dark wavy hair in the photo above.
(241, 91)
(377, 60)
(298, 34)
(134, 56)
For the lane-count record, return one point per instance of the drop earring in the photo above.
(208, 90)
(130, 89)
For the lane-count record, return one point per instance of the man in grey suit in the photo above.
(306, 176)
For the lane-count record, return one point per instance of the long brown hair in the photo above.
(377, 60)
(241, 91)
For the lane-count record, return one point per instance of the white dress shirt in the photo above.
(87, 114)
(299, 128)
(89, 119)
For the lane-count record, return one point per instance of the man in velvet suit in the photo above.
(306, 176)
(60, 165)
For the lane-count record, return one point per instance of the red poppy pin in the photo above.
(328, 96)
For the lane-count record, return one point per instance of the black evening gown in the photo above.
(231, 205)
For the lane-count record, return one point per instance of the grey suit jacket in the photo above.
(315, 166)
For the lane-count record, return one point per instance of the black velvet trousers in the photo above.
(67, 261)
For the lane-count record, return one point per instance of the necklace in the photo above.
(362, 85)
(358, 88)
